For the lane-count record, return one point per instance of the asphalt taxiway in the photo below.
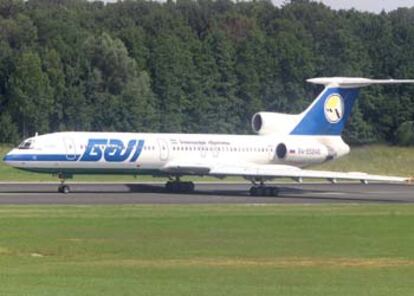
(205, 193)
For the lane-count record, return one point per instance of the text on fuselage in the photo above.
(309, 151)
(112, 150)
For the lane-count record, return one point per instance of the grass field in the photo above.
(207, 250)
(371, 159)
(376, 159)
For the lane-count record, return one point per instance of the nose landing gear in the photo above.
(63, 188)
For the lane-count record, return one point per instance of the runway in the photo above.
(205, 193)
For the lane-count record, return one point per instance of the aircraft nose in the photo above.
(9, 157)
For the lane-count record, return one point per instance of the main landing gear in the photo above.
(263, 190)
(176, 186)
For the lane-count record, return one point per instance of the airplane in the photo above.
(285, 145)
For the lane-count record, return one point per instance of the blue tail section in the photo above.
(329, 113)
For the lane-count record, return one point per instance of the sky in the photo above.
(375, 6)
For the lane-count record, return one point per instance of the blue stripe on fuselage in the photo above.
(40, 157)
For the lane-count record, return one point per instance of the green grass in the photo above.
(371, 159)
(207, 250)
(376, 159)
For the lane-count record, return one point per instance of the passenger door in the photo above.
(70, 148)
(163, 146)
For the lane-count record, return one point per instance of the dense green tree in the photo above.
(171, 65)
(195, 65)
(10, 8)
(138, 105)
(30, 94)
(54, 70)
(404, 135)
(358, 131)
(119, 95)
(227, 107)
(19, 31)
(8, 131)
(6, 68)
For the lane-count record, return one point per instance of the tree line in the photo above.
(195, 65)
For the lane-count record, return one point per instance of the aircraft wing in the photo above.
(187, 168)
(283, 171)
(274, 171)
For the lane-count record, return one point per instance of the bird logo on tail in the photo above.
(334, 108)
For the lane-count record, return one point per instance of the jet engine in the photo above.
(265, 123)
(302, 152)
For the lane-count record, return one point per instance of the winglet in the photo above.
(354, 82)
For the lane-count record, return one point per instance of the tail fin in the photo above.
(330, 111)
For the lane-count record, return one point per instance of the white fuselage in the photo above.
(147, 153)
(285, 143)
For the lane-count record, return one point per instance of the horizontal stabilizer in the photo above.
(354, 82)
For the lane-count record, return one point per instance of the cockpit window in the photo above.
(27, 144)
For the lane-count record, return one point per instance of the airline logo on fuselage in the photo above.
(112, 150)
(334, 108)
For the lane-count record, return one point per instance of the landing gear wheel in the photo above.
(189, 187)
(267, 191)
(179, 187)
(264, 191)
(169, 186)
(176, 187)
(64, 189)
(253, 191)
(260, 191)
(274, 191)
